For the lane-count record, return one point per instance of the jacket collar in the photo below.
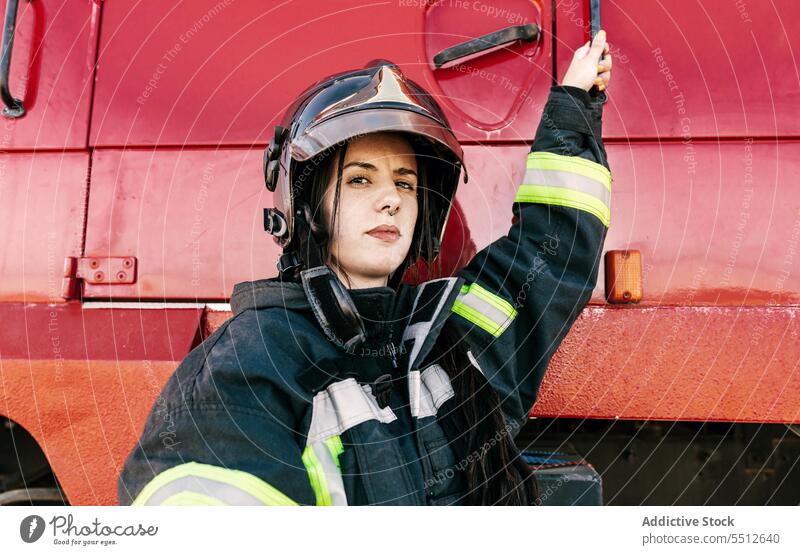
(375, 305)
(267, 293)
(418, 312)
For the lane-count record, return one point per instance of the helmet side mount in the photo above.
(272, 156)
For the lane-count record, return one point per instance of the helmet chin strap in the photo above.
(329, 299)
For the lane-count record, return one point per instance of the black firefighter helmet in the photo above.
(340, 107)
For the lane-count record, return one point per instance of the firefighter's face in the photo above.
(379, 188)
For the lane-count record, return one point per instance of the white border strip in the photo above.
(213, 307)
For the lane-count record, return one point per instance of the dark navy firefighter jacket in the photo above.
(242, 420)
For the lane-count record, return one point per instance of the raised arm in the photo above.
(524, 291)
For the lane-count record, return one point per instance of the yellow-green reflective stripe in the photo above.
(326, 466)
(227, 485)
(498, 302)
(316, 476)
(484, 309)
(336, 448)
(564, 197)
(478, 319)
(573, 164)
(191, 498)
(568, 180)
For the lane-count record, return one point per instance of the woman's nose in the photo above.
(388, 197)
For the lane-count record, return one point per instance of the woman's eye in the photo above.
(406, 185)
(355, 179)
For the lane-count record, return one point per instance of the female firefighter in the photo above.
(334, 383)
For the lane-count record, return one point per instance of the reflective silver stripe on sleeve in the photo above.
(484, 309)
(228, 494)
(197, 483)
(568, 180)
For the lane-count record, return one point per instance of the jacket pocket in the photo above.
(446, 478)
(384, 473)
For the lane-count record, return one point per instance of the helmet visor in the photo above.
(343, 127)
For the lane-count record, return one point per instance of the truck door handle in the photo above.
(528, 33)
(14, 108)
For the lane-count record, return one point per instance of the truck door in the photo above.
(44, 161)
(702, 130)
(187, 95)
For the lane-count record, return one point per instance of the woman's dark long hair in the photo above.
(495, 475)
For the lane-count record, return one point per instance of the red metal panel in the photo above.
(82, 382)
(73, 331)
(210, 72)
(51, 72)
(694, 69)
(42, 198)
(482, 211)
(192, 218)
(729, 364)
(717, 223)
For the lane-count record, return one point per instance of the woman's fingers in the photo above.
(604, 70)
(591, 64)
(602, 79)
(605, 63)
(606, 77)
(598, 45)
(582, 51)
(594, 47)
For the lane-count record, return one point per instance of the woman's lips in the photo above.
(389, 234)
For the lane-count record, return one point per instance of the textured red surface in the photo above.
(71, 332)
(82, 381)
(678, 67)
(86, 415)
(42, 204)
(720, 363)
(678, 363)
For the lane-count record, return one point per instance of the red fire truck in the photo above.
(131, 187)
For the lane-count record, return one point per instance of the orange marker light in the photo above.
(623, 276)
